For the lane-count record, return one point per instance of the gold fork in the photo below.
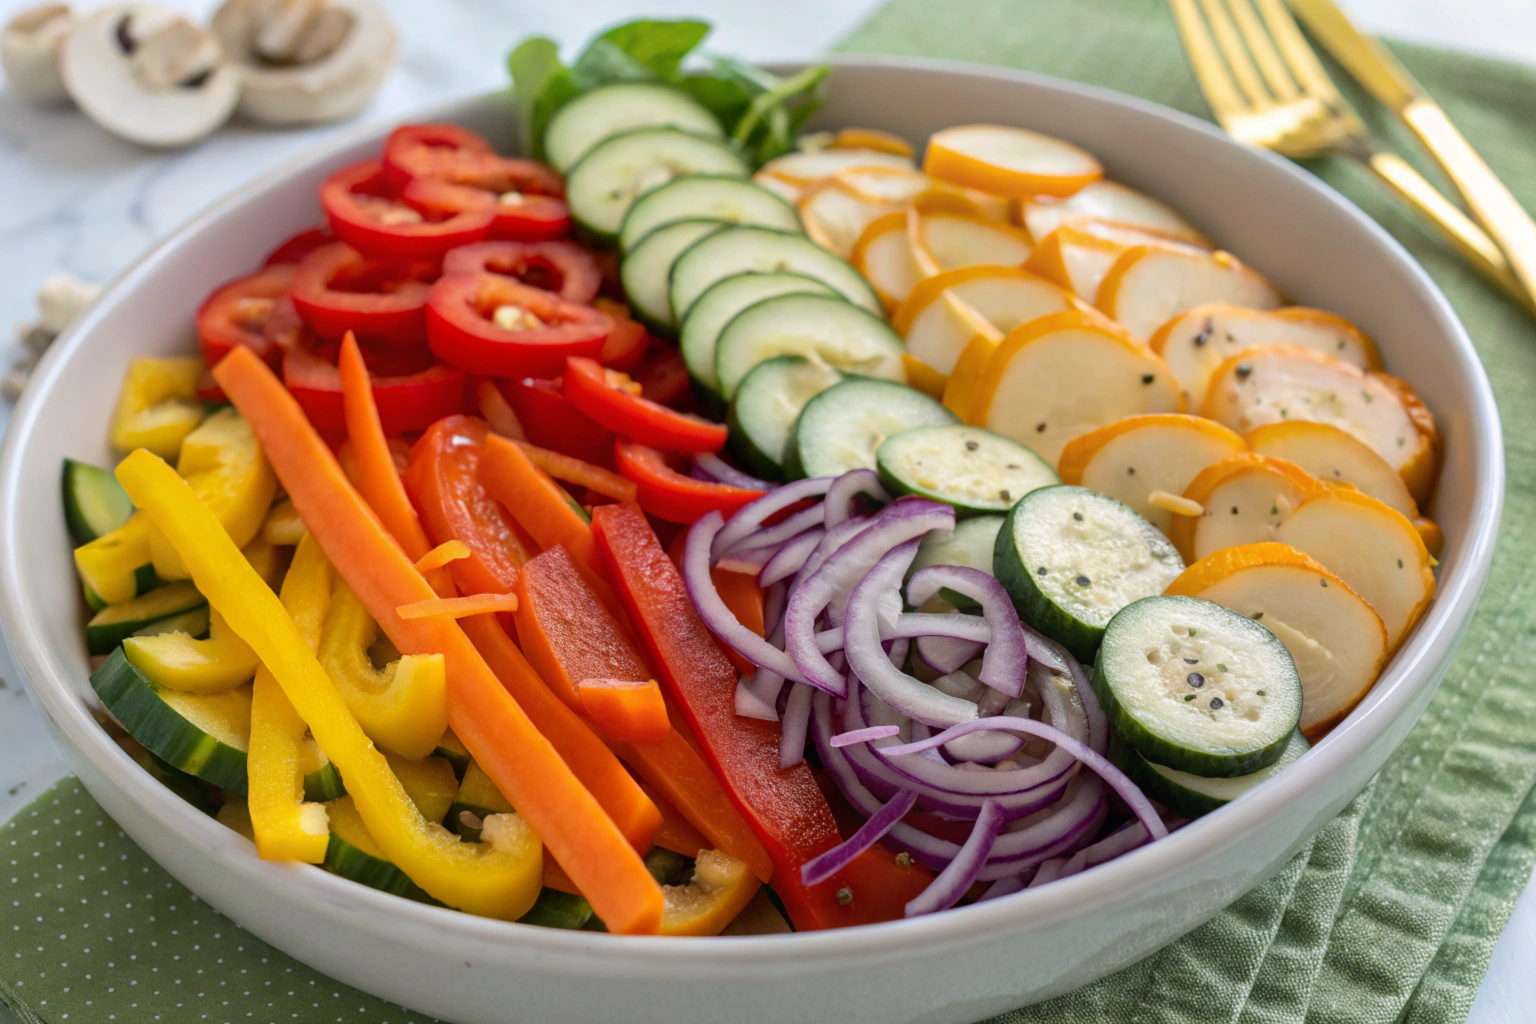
(1267, 88)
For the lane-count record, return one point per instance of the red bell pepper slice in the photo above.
(375, 220)
(299, 244)
(461, 330)
(406, 403)
(430, 151)
(627, 343)
(443, 481)
(530, 197)
(604, 398)
(564, 268)
(663, 378)
(784, 806)
(337, 289)
(237, 313)
(668, 494)
(551, 421)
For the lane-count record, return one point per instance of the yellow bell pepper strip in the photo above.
(500, 879)
(523, 763)
(178, 662)
(288, 827)
(158, 405)
(459, 607)
(404, 707)
(269, 561)
(222, 462)
(721, 888)
(116, 565)
(282, 527)
(444, 553)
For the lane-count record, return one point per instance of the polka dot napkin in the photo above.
(92, 930)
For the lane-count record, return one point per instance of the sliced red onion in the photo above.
(831, 544)
(778, 533)
(838, 506)
(989, 747)
(747, 560)
(1098, 722)
(1045, 650)
(1048, 872)
(946, 654)
(959, 627)
(793, 728)
(821, 868)
(865, 735)
(790, 558)
(1007, 657)
(751, 516)
(775, 597)
(961, 873)
(757, 695)
(1003, 887)
(717, 469)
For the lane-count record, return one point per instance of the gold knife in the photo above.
(1384, 78)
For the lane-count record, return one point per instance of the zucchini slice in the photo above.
(611, 175)
(1071, 558)
(594, 116)
(1245, 498)
(95, 504)
(556, 909)
(728, 200)
(1151, 284)
(1194, 795)
(112, 625)
(354, 854)
(202, 735)
(970, 544)
(767, 403)
(1330, 454)
(1006, 296)
(1197, 687)
(451, 749)
(743, 248)
(647, 268)
(819, 327)
(718, 306)
(842, 428)
(968, 467)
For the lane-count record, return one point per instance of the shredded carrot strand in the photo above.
(458, 607)
(574, 471)
(448, 551)
(498, 412)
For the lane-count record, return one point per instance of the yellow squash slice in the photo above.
(1079, 255)
(835, 216)
(1007, 161)
(936, 332)
(883, 254)
(1199, 340)
(1330, 454)
(1244, 499)
(1108, 201)
(871, 138)
(883, 184)
(949, 241)
(804, 167)
(1335, 638)
(1284, 382)
(1150, 285)
(1137, 457)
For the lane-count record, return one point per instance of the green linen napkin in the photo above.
(1393, 911)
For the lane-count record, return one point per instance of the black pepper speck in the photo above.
(1195, 679)
(1216, 703)
(1082, 581)
(971, 446)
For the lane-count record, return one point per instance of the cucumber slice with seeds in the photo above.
(115, 623)
(842, 428)
(708, 197)
(613, 173)
(1194, 795)
(767, 403)
(1197, 687)
(1071, 558)
(647, 267)
(594, 116)
(972, 468)
(194, 623)
(740, 249)
(95, 504)
(718, 306)
(819, 327)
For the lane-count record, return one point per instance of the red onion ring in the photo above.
(751, 516)
(713, 467)
(821, 868)
(838, 505)
(961, 873)
(1007, 657)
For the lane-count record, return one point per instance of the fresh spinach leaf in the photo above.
(541, 84)
(658, 45)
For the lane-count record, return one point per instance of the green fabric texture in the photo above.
(1393, 911)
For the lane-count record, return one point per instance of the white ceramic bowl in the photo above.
(959, 966)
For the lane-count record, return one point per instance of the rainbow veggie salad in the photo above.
(703, 527)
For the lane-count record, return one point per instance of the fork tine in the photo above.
(1264, 55)
(1212, 75)
(1303, 62)
(1236, 54)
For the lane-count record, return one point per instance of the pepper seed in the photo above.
(1195, 679)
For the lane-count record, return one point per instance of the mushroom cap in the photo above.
(127, 97)
(29, 52)
(335, 84)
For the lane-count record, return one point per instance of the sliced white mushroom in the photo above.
(61, 298)
(1148, 286)
(29, 51)
(1330, 454)
(1333, 635)
(936, 332)
(1197, 341)
(1243, 500)
(307, 61)
(149, 75)
(1108, 201)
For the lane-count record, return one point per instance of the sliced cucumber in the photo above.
(112, 625)
(188, 787)
(842, 428)
(971, 468)
(970, 544)
(767, 403)
(592, 117)
(718, 306)
(740, 249)
(354, 854)
(451, 749)
(479, 796)
(603, 184)
(646, 269)
(706, 197)
(324, 784)
(1071, 558)
(1197, 687)
(194, 623)
(556, 909)
(819, 327)
(1194, 795)
(202, 735)
(94, 502)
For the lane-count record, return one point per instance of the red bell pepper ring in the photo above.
(406, 403)
(337, 289)
(551, 421)
(462, 331)
(784, 806)
(663, 378)
(564, 268)
(237, 313)
(375, 220)
(667, 494)
(597, 393)
(530, 198)
(430, 151)
(298, 245)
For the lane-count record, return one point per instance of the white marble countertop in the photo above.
(77, 199)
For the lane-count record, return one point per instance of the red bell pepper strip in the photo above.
(337, 289)
(668, 494)
(551, 421)
(442, 479)
(564, 268)
(497, 732)
(596, 392)
(431, 151)
(371, 217)
(236, 313)
(405, 404)
(298, 245)
(462, 331)
(784, 805)
(663, 378)
(627, 343)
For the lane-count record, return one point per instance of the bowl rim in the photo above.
(1119, 880)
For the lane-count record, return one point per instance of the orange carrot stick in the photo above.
(627, 710)
(545, 510)
(459, 607)
(448, 551)
(498, 412)
(574, 471)
(676, 833)
(520, 761)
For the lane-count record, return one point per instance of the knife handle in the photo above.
(1491, 202)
